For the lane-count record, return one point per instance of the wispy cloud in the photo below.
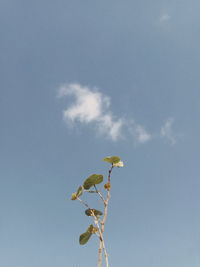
(90, 106)
(139, 133)
(164, 17)
(167, 131)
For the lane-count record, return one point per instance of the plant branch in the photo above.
(100, 194)
(102, 243)
(100, 253)
(107, 201)
(102, 222)
(84, 203)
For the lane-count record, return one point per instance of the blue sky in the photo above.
(81, 80)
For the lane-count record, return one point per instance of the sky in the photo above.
(82, 80)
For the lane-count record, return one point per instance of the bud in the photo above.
(74, 196)
(118, 164)
(107, 186)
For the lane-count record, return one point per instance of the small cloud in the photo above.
(91, 106)
(88, 105)
(167, 131)
(164, 17)
(139, 133)
(107, 124)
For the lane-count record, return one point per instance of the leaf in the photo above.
(83, 239)
(92, 180)
(112, 160)
(89, 212)
(79, 191)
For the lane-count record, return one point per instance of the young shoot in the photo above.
(90, 185)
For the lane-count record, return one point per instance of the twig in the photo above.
(107, 201)
(84, 203)
(102, 243)
(99, 193)
(102, 222)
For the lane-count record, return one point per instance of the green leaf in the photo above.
(112, 160)
(83, 239)
(92, 180)
(89, 212)
(79, 191)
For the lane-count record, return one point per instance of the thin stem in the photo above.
(109, 173)
(102, 243)
(100, 253)
(99, 193)
(107, 201)
(84, 203)
(96, 220)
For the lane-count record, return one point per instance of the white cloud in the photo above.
(106, 124)
(142, 135)
(139, 133)
(91, 106)
(88, 105)
(167, 132)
